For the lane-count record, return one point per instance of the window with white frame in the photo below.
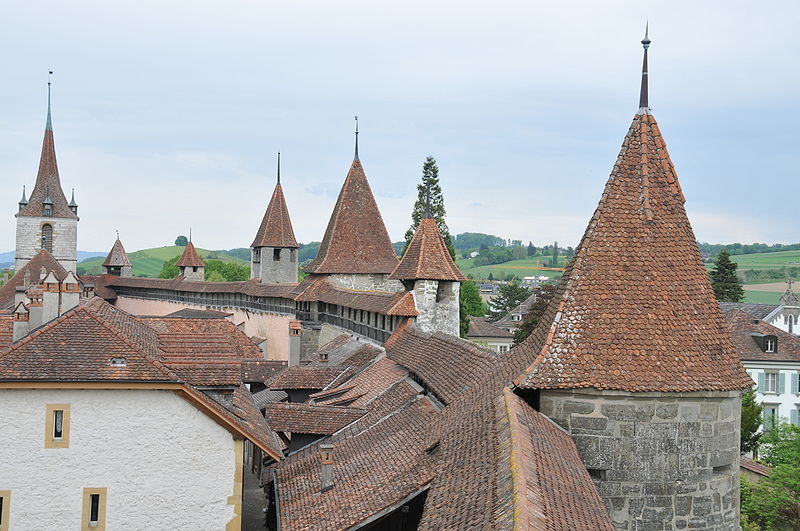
(769, 345)
(503, 348)
(771, 382)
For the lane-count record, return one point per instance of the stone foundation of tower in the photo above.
(273, 265)
(437, 302)
(64, 240)
(659, 460)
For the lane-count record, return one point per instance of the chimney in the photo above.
(42, 274)
(326, 471)
(35, 308)
(20, 318)
(70, 293)
(295, 330)
(51, 297)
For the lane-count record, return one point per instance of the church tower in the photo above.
(46, 220)
(273, 256)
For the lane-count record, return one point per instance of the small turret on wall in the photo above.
(190, 264)
(117, 262)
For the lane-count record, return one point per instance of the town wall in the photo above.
(273, 327)
(65, 240)
(142, 445)
(659, 460)
(366, 282)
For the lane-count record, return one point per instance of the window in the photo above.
(441, 291)
(276, 255)
(795, 383)
(502, 348)
(516, 317)
(94, 509)
(5, 505)
(57, 426)
(771, 382)
(793, 416)
(47, 237)
(48, 210)
(256, 255)
(769, 345)
(770, 416)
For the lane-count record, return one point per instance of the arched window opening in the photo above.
(47, 237)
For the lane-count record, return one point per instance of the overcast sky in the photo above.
(168, 114)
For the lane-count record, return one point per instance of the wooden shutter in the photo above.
(761, 381)
(781, 383)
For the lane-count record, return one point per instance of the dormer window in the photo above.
(770, 345)
(119, 362)
(47, 210)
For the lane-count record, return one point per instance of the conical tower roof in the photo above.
(190, 258)
(427, 257)
(48, 182)
(635, 310)
(356, 240)
(117, 257)
(276, 226)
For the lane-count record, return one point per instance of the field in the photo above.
(761, 297)
(520, 268)
(774, 260)
(148, 262)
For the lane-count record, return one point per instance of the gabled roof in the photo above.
(276, 226)
(480, 327)
(42, 259)
(190, 258)
(635, 310)
(310, 418)
(48, 182)
(427, 257)
(319, 288)
(117, 257)
(356, 240)
(759, 311)
(743, 326)
(303, 377)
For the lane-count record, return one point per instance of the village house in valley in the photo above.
(146, 401)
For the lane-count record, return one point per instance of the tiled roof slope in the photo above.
(261, 371)
(743, 324)
(195, 313)
(190, 258)
(635, 310)
(480, 327)
(42, 259)
(753, 466)
(117, 257)
(303, 377)
(365, 387)
(48, 181)
(426, 257)
(356, 240)
(319, 288)
(276, 226)
(310, 418)
(759, 311)
(6, 330)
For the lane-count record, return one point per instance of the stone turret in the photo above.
(633, 357)
(433, 278)
(117, 262)
(191, 265)
(273, 257)
(46, 220)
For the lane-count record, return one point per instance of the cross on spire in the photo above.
(279, 167)
(356, 155)
(49, 125)
(643, 96)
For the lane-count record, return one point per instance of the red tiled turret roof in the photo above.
(426, 257)
(190, 258)
(635, 310)
(276, 227)
(117, 257)
(356, 240)
(48, 182)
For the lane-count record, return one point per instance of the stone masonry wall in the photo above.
(659, 460)
(366, 282)
(274, 271)
(65, 240)
(437, 316)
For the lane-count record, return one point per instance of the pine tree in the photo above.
(531, 249)
(429, 189)
(470, 303)
(726, 284)
(555, 254)
(509, 296)
(751, 421)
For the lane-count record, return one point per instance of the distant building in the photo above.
(485, 333)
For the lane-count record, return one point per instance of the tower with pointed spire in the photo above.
(46, 220)
(117, 262)
(273, 253)
(633, 358)
(191, 265)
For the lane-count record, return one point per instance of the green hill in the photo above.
(148, 262)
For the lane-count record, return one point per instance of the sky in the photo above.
(168, 115)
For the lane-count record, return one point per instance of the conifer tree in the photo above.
(726, 284)
(509, 296)
(429, 189)
(470, 303)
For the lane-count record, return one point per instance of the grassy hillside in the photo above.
(774, 260)
(148, 262)
(520, 268)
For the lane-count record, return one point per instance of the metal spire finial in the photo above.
(190, 235)
(643, 96)
(24, 200)
(117, 230)
(49, 126)
(279, 167)
(356, 156)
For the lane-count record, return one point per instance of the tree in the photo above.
(531, 249)
(726, 284)
(470, 303)
(509, 296)
(534, 315)
(169, 269)
(181, 241)
(751, 421)
(555, 254)
(490, 277)
(430, 190)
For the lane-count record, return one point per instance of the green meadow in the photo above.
(148, 262)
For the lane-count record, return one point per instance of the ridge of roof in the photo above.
(635, 310)
(48, 182)
(190, 258)
(117, 257)
(356, 239)
(276, 226)
(427, 257)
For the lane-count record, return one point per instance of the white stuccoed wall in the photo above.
(166, 465)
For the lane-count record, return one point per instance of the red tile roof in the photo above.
(753, 466)
(310, 418)
(303, 377)
(117, 257)
(362, 389)
(427, 258)
(47, 182)
(742, 325)
(319, 288)
(635, 310)
(42, 259)
(190, 258)
(480, 327)
(356, 240)
(276, 226)
(261, 371)
(6, 330)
